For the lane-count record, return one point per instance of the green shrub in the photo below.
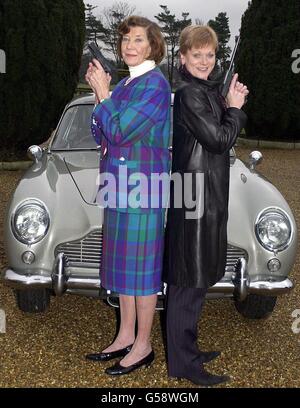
(43, 41)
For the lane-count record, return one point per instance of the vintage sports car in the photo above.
(53, 228)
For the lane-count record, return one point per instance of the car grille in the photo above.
(86, 252)
(233, 255)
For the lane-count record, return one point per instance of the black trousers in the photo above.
(184, 306)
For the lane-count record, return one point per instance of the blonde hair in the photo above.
(197, 36)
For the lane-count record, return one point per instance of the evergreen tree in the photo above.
(199, 21)
(93, 26)
(113, 17)
(269, 35)
(172, 27)
(43, 40)
(104, 29)
(221, 27)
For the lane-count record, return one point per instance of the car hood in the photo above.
(83, 167)
(60, 170)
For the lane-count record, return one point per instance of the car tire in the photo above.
(256, 306)
(33, 300)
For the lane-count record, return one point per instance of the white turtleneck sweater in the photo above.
(141, 69)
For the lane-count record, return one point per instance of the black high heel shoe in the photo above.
(109, 355)
(117, 369)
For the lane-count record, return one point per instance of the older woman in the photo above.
(133, 127)
(205, 128)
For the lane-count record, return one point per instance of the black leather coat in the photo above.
(204, 131)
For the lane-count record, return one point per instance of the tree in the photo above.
(93, 27)
(221, 26)
(114, 15)
(172, 28)
(43, 41)
(104, 29)
(268, 37)
(199, 21)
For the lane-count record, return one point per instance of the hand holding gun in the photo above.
(99, 73)
(97, 54)
(230, 72)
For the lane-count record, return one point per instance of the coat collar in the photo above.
(188, 77)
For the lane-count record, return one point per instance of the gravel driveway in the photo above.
(47, 350)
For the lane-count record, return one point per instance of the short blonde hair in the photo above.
(197, 36)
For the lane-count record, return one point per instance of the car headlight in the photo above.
(273, 229)
(30, 222)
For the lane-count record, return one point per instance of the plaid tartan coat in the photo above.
(133, 128)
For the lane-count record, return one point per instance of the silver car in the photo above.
(53, 228)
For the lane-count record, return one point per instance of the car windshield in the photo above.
(74, 131)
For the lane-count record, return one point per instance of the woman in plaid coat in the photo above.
(133, 127)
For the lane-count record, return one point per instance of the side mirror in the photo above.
(255, 158)
(35, 153)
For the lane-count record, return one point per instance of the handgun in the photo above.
(97, 54)
(230, 72)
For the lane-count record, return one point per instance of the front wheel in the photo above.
(256, 306)
(33, 300)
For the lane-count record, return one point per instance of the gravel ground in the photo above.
(47, 350)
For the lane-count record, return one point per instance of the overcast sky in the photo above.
(203, 9)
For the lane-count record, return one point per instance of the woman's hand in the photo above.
(237, 93)
(98, 80)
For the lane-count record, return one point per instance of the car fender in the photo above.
(250, 193)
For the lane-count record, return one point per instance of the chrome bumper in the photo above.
(265, 288)
(61, 282)
(241, 286)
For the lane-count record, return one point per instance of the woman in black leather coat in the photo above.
(205, 128)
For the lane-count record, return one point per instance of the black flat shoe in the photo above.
(207, 356)
(110, 355)
(117, 369)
